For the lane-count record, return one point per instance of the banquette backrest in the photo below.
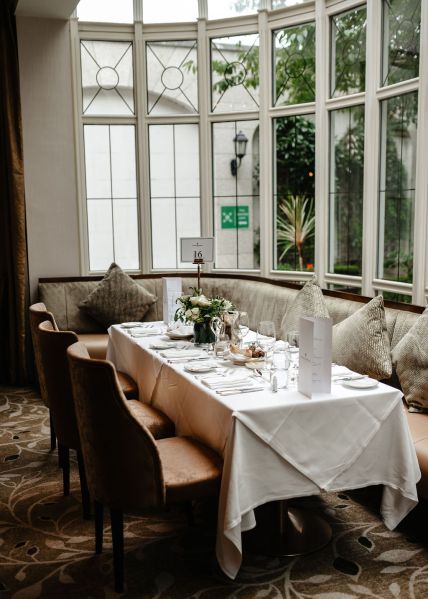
(261, 298)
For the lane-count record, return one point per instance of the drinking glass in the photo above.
(243, 325)
(266, 339)
(281, 364)
(293, 350)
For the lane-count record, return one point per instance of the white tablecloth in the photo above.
(280, 445)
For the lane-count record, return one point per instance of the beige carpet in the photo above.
(46, 549)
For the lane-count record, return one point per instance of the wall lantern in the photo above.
(240, 140)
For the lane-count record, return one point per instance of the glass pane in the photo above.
(235, 73)
(125, 225)
(396, 297)
(100, 234)
(174, 190)
(172, 77)
(111, 192)
(107, 78)
(164, 238)
(348, 52)
(402, 25)
(124, 178)
(345, 288)
(169, 11)
(294, 193)
(107, 11)
(397, 188)
(294, 59)
(221, 9)
(346, 190)
(97, 161)
(285, 3)
(236, 197)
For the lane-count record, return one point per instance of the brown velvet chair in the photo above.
(127, 469)
(38, 314)
(53, 346)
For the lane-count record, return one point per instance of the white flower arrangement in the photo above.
(198, 307)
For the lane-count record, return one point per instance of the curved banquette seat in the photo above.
(263, 299)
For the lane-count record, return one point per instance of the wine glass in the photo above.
(266, 339)
(243, 326)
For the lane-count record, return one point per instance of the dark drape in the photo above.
(13, 246)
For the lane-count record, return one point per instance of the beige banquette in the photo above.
(263, 299)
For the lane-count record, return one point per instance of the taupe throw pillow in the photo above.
(410, 359)
(361, 341)
(308, 302)
(117, 298)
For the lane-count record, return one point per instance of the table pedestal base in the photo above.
(285, 530)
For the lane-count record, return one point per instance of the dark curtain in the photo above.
(14, 341)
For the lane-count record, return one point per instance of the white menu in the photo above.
(315, 345)
(171, 290)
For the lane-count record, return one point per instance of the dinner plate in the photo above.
(177, 336)
(131, 325)
(361, 383)
(199, 367)
(241, 359)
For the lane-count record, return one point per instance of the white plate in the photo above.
(162, 345)
(198, 367)
(131, 325)
(361, 384)
(241, 359)
(177, 336)
(254, 365)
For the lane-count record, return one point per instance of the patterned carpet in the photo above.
(46, 549)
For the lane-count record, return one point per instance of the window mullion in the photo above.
(322, 84)
(371, 147)
(142, 152)
(420, 264)
(265, 141)
(79, 151)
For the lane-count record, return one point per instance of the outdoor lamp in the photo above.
(240, 140)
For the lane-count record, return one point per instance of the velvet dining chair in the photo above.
(53, 346)
(127, 468)
(38, 314)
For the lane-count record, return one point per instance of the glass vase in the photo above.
(203, 332)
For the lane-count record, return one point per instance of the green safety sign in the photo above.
(235, 217)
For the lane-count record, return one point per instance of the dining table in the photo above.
(276, 444)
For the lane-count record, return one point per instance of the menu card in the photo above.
(315, 341)
(171, 291)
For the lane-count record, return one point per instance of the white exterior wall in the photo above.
(49, 149)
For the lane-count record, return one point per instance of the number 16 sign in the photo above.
(197, 249)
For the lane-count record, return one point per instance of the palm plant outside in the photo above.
(295, 224)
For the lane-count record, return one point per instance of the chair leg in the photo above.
(52, 429)
(99, 526)
(64, 454)
(86, 500)
(116, 517)
(189, 513)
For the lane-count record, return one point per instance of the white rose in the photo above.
(194, 311)
(203, 301)
(188, 313)
(194, 300)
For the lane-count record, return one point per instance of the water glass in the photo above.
(266, 339)
(243, 326)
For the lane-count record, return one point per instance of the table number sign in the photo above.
(197, 249)
(171, 290)
(315, 343)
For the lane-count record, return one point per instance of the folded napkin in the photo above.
(144, 332)
(236, 382)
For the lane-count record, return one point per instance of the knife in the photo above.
(243, 390)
